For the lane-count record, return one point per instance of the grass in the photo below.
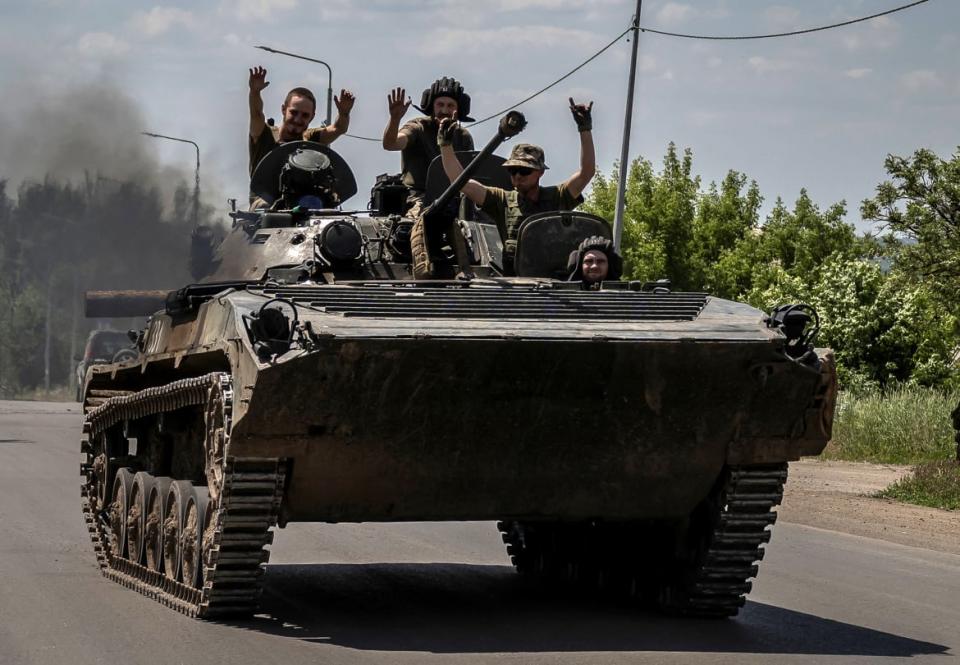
(934, 484)
(904, 426)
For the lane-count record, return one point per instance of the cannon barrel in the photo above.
(510, 125)
(110, 304)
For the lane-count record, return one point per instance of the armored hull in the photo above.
(531, 402)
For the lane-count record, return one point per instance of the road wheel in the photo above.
(191, 543)
(119, 507)
(137, 515)
(181, 491)
(153, 523)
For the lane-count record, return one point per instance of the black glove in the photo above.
(582, 116)
(445, 134)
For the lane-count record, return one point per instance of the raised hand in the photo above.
(258, 79)
(448, 126)
(582, 115)
(398, 103)
(344, 102)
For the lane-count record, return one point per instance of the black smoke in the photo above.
(85, 204)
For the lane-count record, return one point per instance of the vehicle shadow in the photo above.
(456, 608)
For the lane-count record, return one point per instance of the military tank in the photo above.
(630, 438)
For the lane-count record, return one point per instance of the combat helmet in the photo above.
(446, 87)
(605, 245)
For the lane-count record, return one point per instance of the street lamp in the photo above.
(196, 180)
(321, 62)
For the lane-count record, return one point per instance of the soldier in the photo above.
(594, 261)
(298, 109)
(417, 141)
(526, 166)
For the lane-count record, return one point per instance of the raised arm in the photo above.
(397, 103)
(577, 182)
(451, 165)
(340, 126)
(258, 81)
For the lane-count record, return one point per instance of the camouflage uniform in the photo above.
(415, 158)
(508, 209)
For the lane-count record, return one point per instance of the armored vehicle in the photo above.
(631, 437)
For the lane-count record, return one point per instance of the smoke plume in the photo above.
(74, 133)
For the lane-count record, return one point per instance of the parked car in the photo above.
(104, 346)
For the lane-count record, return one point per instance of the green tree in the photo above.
(725, 231)
(921, 203)
(658, 217)
(884, 330)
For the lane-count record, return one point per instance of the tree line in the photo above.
(887, 299)
(59, 239)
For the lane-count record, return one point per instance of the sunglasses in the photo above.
(519, 170)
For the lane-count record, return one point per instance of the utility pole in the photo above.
(625, 149)
(46, 337)
(196, 177)
(329, 119)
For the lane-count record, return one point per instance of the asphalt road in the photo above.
(427, 592)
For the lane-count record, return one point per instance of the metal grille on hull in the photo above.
(493, 303)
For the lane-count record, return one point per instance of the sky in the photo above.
(819, 111)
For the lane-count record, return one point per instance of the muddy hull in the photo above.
(625, 440)
(457, 429)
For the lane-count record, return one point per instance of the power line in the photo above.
(537, 93)
(785, 34)
(559, 80)
(683, 36)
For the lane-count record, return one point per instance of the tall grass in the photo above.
(909, 425)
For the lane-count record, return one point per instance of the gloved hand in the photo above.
(582, 116)
(448, 127)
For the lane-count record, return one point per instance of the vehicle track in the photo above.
(709, 577)
(244, 500)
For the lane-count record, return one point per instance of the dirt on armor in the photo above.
(838, 496)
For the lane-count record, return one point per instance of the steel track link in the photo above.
(247, 506)
(713, 581)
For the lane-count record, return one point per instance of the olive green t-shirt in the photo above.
(557, 197)
(422, 149)
(270, 138)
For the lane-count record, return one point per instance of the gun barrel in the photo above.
(110, 304)
(510, 125)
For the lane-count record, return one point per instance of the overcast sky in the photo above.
(818, 111)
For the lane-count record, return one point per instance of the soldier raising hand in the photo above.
(297, 110)
(417, 141)
(526, 166)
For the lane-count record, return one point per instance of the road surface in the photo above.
(426, 592)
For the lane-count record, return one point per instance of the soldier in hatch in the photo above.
(298, 109)
(526, 166)
(417, 143)
(594, 261)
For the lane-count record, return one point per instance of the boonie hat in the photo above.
(526, 154)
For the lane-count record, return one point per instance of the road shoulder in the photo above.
(836, 496)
